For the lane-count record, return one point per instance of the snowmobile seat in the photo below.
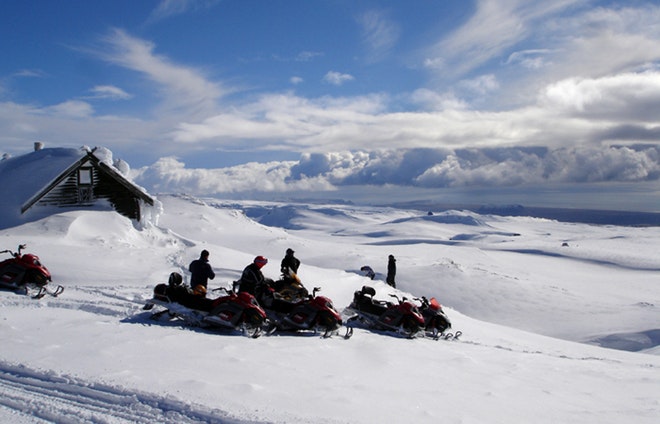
(197, 302)
(175, 279)
(363, 300)
(12, 274)
(270, 299)
(368, 290)
(160, 292)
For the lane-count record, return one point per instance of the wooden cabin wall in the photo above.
(68, 194)
(122, 199)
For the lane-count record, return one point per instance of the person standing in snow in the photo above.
(290, 263)
(201, 272)
(391, 271)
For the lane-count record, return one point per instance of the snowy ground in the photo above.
(534, 299)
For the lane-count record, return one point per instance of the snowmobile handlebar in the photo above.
(15, 254)
(399, 299)
(225, 289)
(423, 300)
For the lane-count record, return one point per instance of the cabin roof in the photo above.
(25, 179)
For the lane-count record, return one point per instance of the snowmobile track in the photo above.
(51, 398)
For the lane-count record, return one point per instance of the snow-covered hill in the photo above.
(533, 297)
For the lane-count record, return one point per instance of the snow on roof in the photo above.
(23, 176)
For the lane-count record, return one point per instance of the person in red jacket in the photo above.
(252, 278)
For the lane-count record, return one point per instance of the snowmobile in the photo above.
(234, 311)
(401, 318)
(436, 322)
(23, 272)
(289, 310)
(288, 288)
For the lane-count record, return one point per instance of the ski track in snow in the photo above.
(50, 398)
(45, 397)
(34, 396)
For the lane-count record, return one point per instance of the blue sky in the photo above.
(222, 96)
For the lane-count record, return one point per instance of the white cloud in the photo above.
(169, 8)
(426, 168)
(379, 34)
(185, 90)
(109, 92)
(567, 113)
(606, 41)
(496, 26)
(30, 73)
(296, 80)
(286, 119)
(431, 100)
(169, 175)
(480, 85)
(307, 56)
(629, 97)
(337, 78)
(72, 109)
(531, 59)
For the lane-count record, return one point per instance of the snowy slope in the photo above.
(526, 304)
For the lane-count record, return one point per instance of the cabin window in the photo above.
(85, 186)
(85, 176)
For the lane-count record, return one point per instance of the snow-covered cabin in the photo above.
(33, 184)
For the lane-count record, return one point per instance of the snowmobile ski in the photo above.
(43, 291)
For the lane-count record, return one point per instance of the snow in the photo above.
(560, 321)
(25, 176)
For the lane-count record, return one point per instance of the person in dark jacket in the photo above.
(252, 278)
(289, 263)
(391, 271)
(201, 272)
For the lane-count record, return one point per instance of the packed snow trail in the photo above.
(37, 396)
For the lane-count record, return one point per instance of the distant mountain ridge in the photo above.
(586, 216)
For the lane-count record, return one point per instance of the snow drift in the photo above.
(534, 298)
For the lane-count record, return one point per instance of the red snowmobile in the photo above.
(291, 308)
(23, 272)
(237, 311)
(436, 322)
(402, 317)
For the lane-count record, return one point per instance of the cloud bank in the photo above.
(425, 168)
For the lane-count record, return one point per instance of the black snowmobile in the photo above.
(238, 311)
